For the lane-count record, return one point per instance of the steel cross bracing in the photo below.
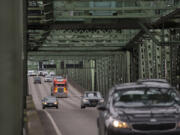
(98, 40)
(81, 10)
(104, 37)
(49, 12)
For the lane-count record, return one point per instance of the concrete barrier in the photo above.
(33, 123)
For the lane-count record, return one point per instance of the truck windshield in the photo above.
(60, 85)
(145, 97)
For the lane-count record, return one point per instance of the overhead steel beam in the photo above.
(125, 16)
(145, 29)
(133, 8)
(171, 43)
(72, 53)
(49, 48)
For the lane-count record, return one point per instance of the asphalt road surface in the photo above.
(69, 119)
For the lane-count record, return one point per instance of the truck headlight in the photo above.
(45, 103)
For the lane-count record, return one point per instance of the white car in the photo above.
(32, 73)
(52, 73)
(48, 79)
(45, 73)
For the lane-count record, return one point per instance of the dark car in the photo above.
(37, 79)
(91, 99)
(49, 102)
(140, 109)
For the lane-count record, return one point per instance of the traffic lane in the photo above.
(69, 118)
(33, 90)
(75, 121)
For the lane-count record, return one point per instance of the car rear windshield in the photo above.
(93, 94)
(51, 99)
(145, 97)
(37, 78)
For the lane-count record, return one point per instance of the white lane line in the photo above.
(58, 132)
(34, 95)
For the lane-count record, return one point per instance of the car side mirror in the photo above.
(102, 108)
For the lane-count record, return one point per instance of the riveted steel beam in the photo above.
(144, 28)
(71, 53)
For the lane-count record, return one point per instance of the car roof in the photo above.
(50, 97)
(91, 91)
(48, 76)
(37, 77)
(142, 85)
(153, 80)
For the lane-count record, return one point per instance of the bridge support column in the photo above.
(11, 69)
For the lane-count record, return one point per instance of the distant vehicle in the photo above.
(52, 73)
(41, 73)
(146, 107)
(91, 99)
(37, 79)
(32, 73)
(45, 73)
(49, 102)
(59, 88)
(48, 78)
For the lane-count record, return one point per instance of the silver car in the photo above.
(49, 101)
(91, 99)
(48, 79)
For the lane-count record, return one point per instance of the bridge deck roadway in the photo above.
(69, 119)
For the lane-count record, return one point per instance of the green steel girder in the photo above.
(82, 40)
(40, 12)
(68, 10)
(90, 49)
(71, 53)
(144, 28)
(64, 58)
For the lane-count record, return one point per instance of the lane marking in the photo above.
(58, 132)
(37, 103)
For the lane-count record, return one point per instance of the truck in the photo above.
(59, 87)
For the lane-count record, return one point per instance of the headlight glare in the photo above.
(85, 100)
(120, 124)
(116, 123)
(45, 103)
(55, 102)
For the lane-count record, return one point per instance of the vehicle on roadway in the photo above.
(91, 99)
(48, 78)
(144, 107)
(37, 79)
(59, 87)
(52, 73)
(42, 73)
(49, 101)
(32, 73)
